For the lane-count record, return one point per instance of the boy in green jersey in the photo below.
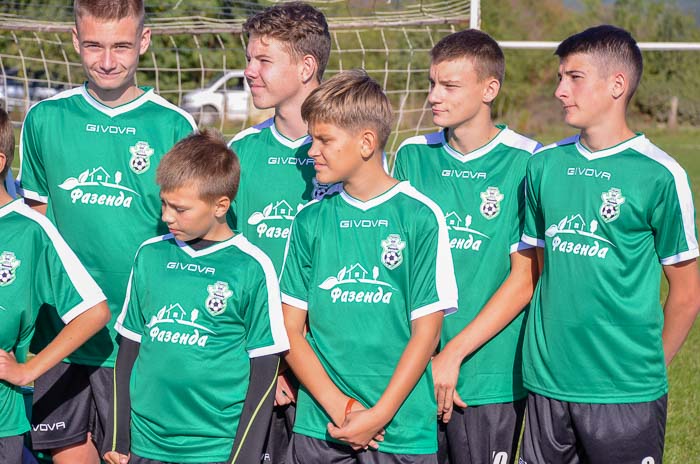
(202, 324)
(88, 161)
(475, 170)
(38, 273)
(287, 52)
(608, 212)
(369, 269)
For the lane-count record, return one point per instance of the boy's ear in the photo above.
(491, 89)
(309, 66)
(368, 143)
(76, 39)
(618, 85)
(3, 163)
(145, 40)
(221, 206)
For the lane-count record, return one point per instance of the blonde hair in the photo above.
(351, 100)
(202, 160)
(300, 27)
(109, 10)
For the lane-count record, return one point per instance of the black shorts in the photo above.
(134, 459)
(308, 450)
(481, 434)
(11, 449)
(573, 433)
(279, 434)
(71, 400)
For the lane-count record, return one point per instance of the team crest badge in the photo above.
(491, 202)
(8, 268)
(218, 297)
(391, 254)
(140, 157)
(612, 200)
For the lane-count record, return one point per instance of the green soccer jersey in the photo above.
(199, 316)
(38, 273)
(95, 167)
(607, 220)
(364, 271)
(482, 195)
(277, 179)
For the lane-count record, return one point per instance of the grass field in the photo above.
(683, 430)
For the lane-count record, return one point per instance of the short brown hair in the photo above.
(474, 45)
(301, 27)
(611, 46)
(109, 10)
(351, 100)
(7, 142)
(202, 160)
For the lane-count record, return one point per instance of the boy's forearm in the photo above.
(500, 310)
(70, 338)
(681, 307)
(424, 339)
(310, 372)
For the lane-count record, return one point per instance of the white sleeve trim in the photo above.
(514, 248)
(126, 333)
(680, 257)
(278, 347)
(296, 302)
(448, 307)
(32, 195)
(81, 308)
(535, 242)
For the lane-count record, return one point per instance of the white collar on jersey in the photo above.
(117, 110)
(237, 239)
(289, 143)
(376, 201)
(634, 143)
(479, 152)
(14, 205)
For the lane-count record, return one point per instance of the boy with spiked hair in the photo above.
(38, 273)
(608, 211)
(96, 182)
(204, 300)
(288, 50)
(474, 170)
(369, 270)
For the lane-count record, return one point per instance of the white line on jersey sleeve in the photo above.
(296, 302)
(515, 247)
(532, 241)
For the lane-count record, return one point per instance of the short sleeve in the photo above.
(296, 270)
(265, 332)
(130, 323)
(673, 221)
(32, 175)
(432, 281)
(533, 230)
(398, 171)
(62, 281)
(517, 222)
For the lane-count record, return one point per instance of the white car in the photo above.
(224, 98)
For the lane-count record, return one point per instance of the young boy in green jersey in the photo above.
(38, 273)
(202, 324)
(608, 211)
(287, 52)
(88, 160)
(474, 170)
(369, 269)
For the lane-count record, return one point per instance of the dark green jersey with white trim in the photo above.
(607, 221)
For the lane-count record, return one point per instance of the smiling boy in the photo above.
(88, 161)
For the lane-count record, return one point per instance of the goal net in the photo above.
(198, 53)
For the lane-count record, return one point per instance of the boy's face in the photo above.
(337, 153)
(456, 94)
(273, 74)
(584, 93)
(188, 216)
(110, 50)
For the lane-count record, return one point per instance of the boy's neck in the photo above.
(288, 120)
(220, 232)
(370, 181)
(606, 135)
(472, 134)
(5, 197)
(116, 97)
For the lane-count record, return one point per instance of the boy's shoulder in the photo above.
(55, 103)
(419, 143)
(517, 141)
(167, 109)
(18, 215)
(541, 154)
(252, 132)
